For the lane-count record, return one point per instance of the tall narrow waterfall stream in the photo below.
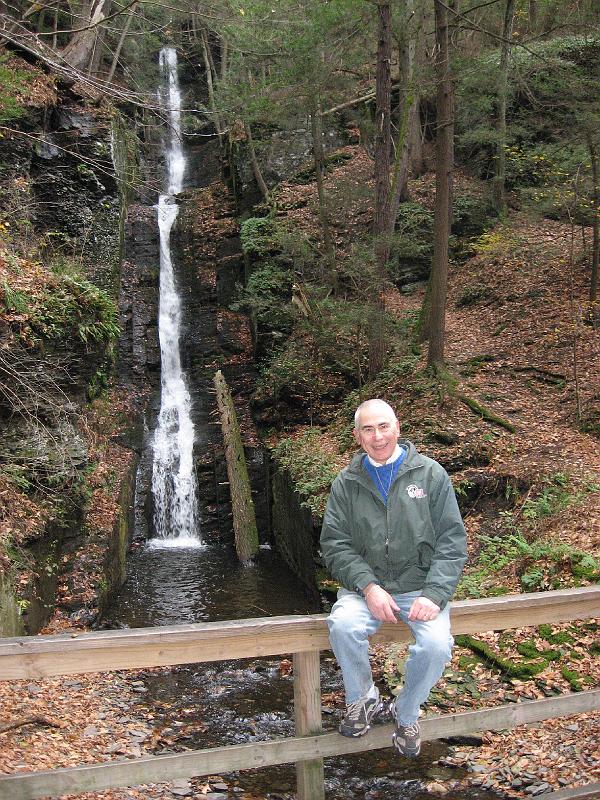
(173, 482)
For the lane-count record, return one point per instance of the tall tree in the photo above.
(501, 102)
(443, 168)
(595, 197)
(408, 143)
(330, 278)
(381, 219)
(79, 52)
(119, 47)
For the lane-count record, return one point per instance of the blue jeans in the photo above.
(351, 623)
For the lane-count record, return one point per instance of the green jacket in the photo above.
(415, 543)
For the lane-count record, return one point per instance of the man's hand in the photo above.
(380, 603)
(423, 609)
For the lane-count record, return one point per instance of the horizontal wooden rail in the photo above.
(588, 792)
(304, 636)
(34, 657)
(167, 768)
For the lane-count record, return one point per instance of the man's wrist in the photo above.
(368, 589)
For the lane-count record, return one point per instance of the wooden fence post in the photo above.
(307, 713)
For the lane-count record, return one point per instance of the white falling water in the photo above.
(173, 479)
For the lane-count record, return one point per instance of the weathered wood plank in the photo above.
(307, 714)
(42, 656)
(157, 769)
(592, 790)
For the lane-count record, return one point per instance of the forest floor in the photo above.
(517, 327)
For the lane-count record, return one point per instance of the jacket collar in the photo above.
(356, 470)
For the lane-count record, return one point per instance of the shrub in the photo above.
(74, 306)
(266, 298)
(471, 215)
(311, 468)
(472, 294)
(13, 83)
(258, 236)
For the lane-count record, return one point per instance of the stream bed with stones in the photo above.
(251, 700)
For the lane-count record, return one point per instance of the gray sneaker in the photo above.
(406, 738)
(359, 715)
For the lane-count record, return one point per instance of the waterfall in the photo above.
(173, 479)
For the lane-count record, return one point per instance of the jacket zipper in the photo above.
(387, 536)
(387, 526)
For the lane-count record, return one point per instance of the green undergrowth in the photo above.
(65, 308)
(311, 468)
(331, 161)
(540, 563)
(259, 235)
(530, 659)
(14, 84)
(76, 306)
(521, 670)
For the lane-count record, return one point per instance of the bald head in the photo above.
(376, 430)
(375, 406)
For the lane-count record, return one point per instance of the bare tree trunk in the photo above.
(41, 21)
(596, 218)
(501, 101)
(453, 37)
(120, 43)
(55, 29)
(381, 221)
(98, 53)
(415, 129)
(439, 270)
(210, 68)
(319, 162)
(79, 51)
(406, 100)
(533, 16)
(242, 505)
(258, 176)
(416, 162)
(224, 58)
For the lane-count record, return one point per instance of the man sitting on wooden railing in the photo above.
(394, 538)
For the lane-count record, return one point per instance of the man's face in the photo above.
(377, 432)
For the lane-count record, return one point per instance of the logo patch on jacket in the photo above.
(415, 491)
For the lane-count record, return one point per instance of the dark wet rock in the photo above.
(468, 741)
(538, 788)
(68, 119)
(282, 154)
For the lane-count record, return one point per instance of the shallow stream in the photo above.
(232, 702)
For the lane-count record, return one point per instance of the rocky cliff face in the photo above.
(60, 256)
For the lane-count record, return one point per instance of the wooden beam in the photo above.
(158, 769)
(307, 714)
(34, 657)
(591, 790)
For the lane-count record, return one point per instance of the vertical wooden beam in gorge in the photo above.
(242, 505)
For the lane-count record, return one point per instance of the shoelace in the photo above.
(353, 709)
(411, 730)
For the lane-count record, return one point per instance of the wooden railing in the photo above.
(304, 636)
